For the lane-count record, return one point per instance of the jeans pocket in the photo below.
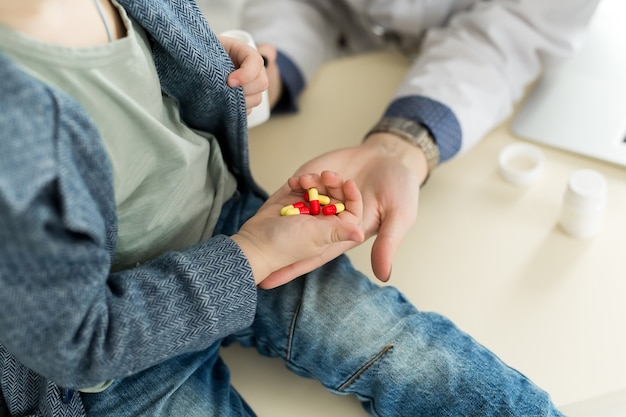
(364, 368)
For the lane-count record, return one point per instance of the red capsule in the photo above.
(295, 210)
(314, 202)
(298, 204)
(333, 209)
(314, 207)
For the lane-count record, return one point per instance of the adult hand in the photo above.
(281, 248)
(250, 71)
(389, 172)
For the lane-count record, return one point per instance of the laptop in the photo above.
(579, 105)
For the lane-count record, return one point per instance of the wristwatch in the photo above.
(413, 133)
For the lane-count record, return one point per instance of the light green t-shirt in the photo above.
(170, 181)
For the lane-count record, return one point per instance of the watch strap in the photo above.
(413, 133)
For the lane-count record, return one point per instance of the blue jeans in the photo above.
(355, 337)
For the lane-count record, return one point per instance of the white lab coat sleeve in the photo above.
(308, 37)
(480, 63)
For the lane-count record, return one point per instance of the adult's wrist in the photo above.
(412, 132)
(387, 145)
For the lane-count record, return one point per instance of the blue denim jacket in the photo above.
(65, 320)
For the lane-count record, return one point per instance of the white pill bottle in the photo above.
(584, 204)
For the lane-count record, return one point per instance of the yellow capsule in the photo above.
(323, 199)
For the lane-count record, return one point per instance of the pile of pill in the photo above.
(317, 203)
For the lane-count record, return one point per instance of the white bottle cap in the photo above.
(586, 186)
(584, 202)
(521, 163)
(261, 113)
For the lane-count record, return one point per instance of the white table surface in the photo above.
(486, 254)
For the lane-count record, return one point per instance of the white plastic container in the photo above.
(584, 204)
(521, 163)
(261, 113)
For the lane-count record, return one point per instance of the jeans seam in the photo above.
(364, 368)
(292, 330)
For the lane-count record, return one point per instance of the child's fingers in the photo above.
(347, 232)
(346, 192)
(256, 85)
(323, 182)
(333, 185)
(352, 198)
(249, 64)
(294, 184)
(252, 101)
(302, 183)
